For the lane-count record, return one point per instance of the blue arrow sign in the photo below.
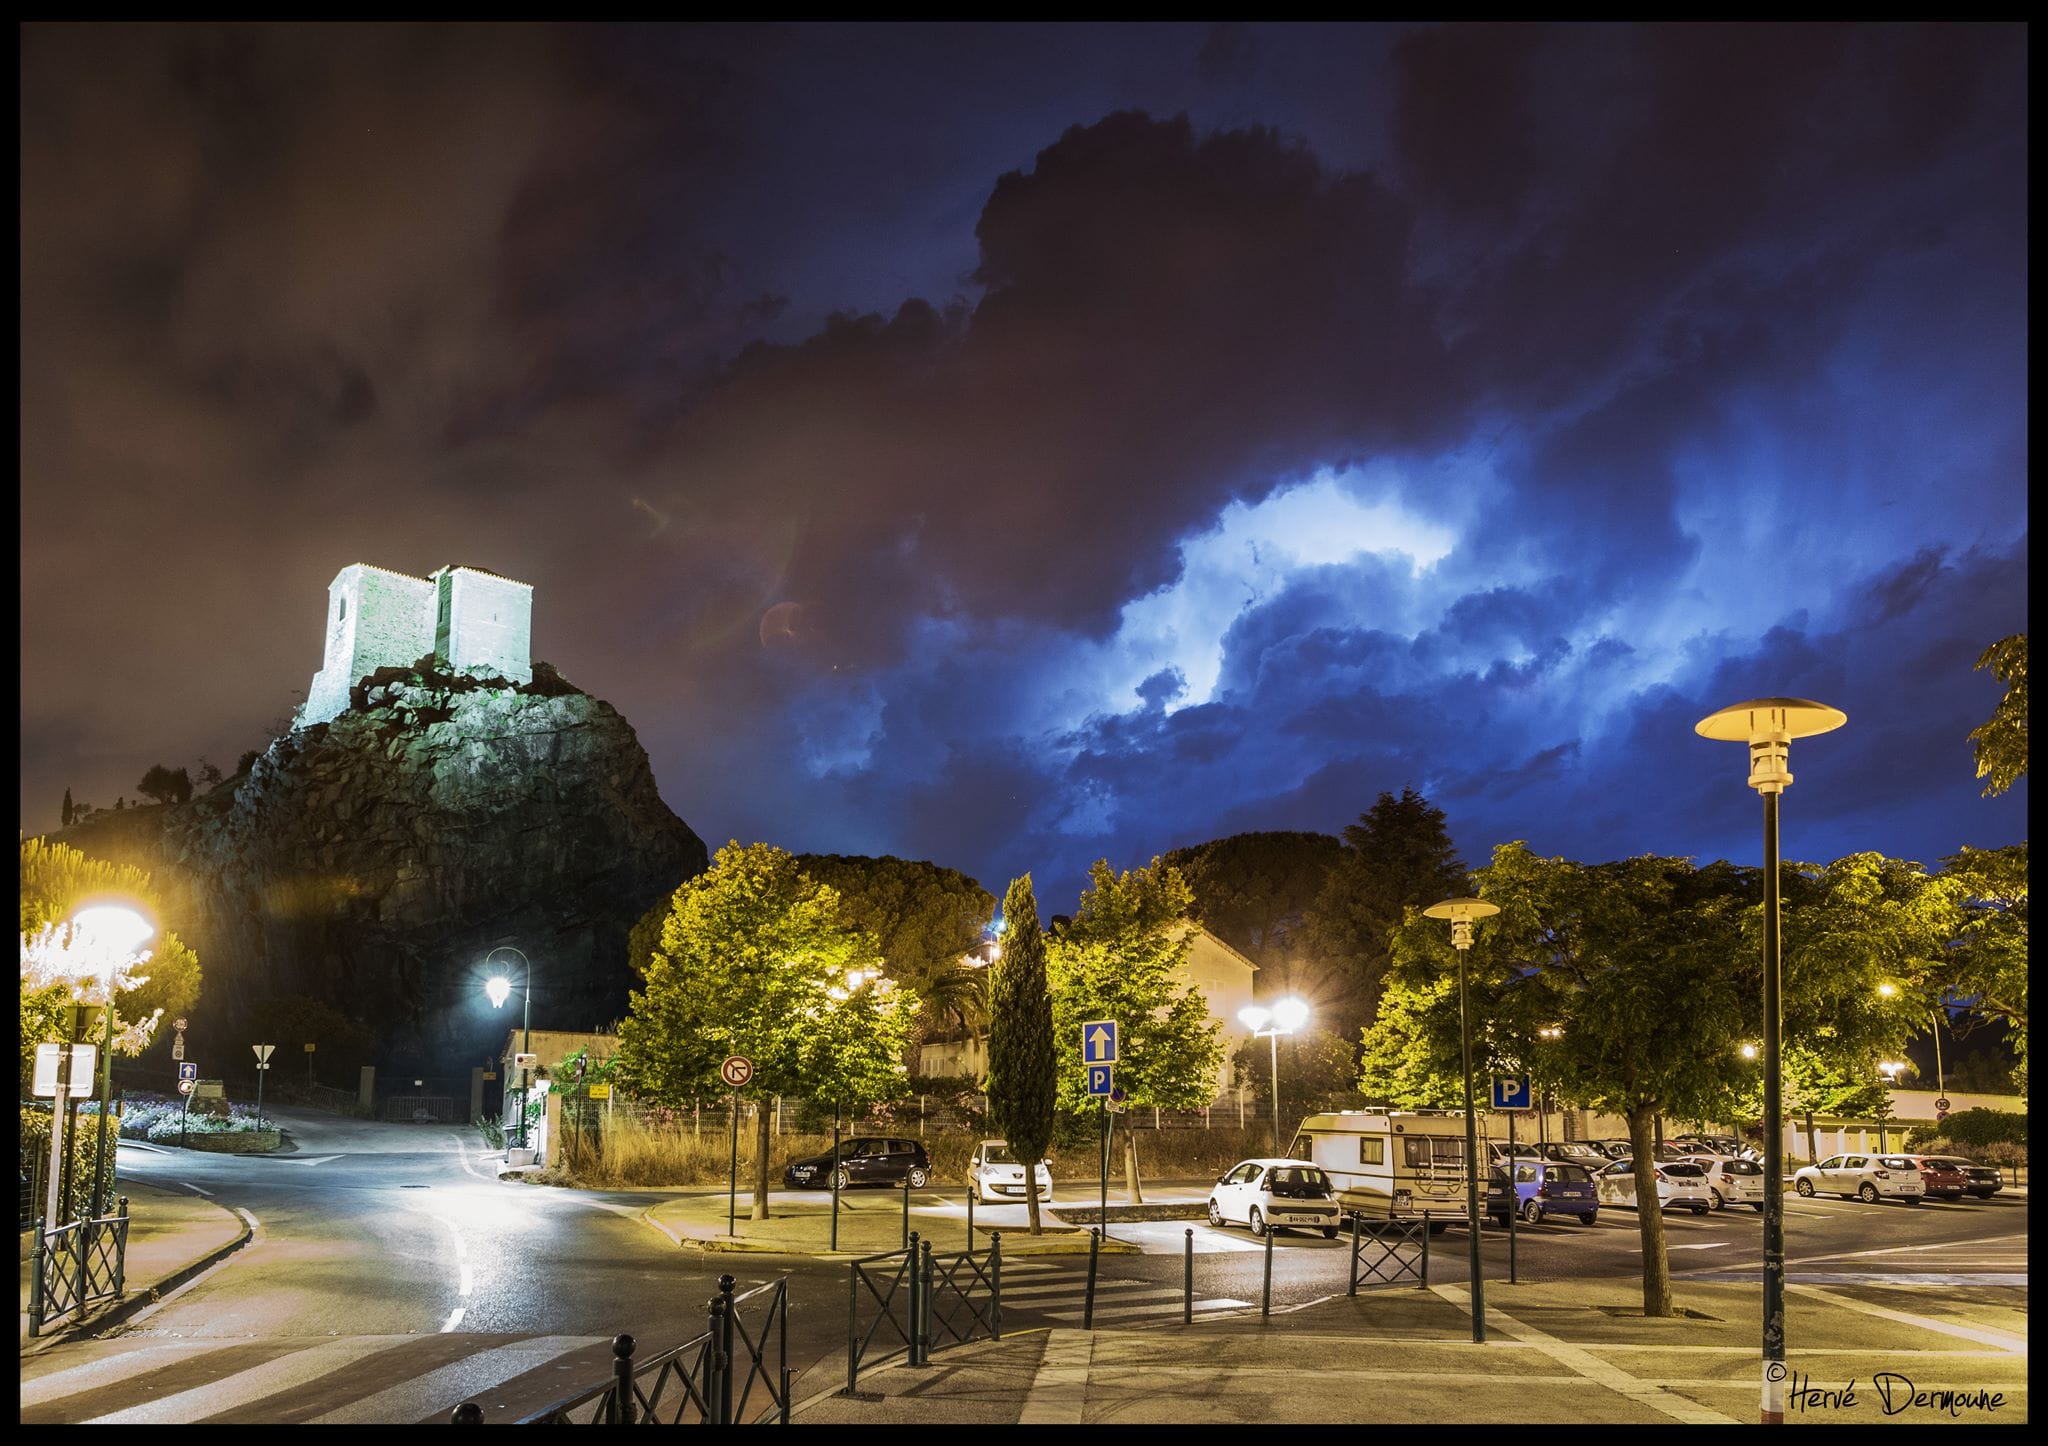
(1098, 1079)
(1098, 1042)
(188, 1070)
(1512, 1092)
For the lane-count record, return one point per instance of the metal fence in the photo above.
(928, 1300)
(76, 1265)
(423, 1109)
(1385, 1252)
(709, 1380)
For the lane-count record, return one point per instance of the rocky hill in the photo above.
(373, 861)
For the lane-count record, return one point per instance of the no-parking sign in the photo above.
(736, 1070)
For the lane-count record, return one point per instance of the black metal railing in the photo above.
(693, 1384)
(1383, 1253)
(77, 1265)
(960, 1298)
(886, 1284)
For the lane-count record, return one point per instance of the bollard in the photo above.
(782, 1343)
(995, 1284)
(1187, 1282)
(716, 1367)
(1088, 1309)
(910, 1320)
(972, 1191)
(1423, 1284)
(619, 1411)
(1354, 1254)
(83, 1239)
(1266, 1293)
(469, 1413)
(35, 1283)
(121, 1251)
(852, 1328)
(725, 1285)
(924, 1313)
(906, 1212)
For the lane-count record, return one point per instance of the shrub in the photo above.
(1978, 1128)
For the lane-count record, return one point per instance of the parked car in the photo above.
(1983, 1181)
(1275, 1194)
(1613, 1149)
(1869, 1178)
(1577, 1152)
(1680, 1186)
(864, 1160)
(1497, 1151)
(1545, 1187)
(995, 1174)
(1939, 1180)
(1731, 1180)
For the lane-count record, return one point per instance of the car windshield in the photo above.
(1299, 1182)
(1569, 1174)
(1684, 1171)
(997, 1155)
(1741, 1167)
(1895, 1162)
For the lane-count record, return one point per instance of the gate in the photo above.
(76, 1265)
(691, 1385)
(1376, 1252)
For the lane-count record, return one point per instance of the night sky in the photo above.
(1013, 446)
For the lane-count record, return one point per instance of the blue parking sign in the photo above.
(1099, 1082)
(1512, 1092)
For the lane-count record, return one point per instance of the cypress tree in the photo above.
(67, 808)
(1021, 1060)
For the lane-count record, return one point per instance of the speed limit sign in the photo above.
(736, 1070)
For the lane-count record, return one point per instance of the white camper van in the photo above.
(1390, 1164)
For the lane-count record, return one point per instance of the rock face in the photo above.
(373, 861)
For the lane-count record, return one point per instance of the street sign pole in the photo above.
(1514, 1197)
(732, 1182)
(1102, 1154)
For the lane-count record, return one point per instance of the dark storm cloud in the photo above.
(872, 410)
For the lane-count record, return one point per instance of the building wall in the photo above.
(490, 623)
(375, 619)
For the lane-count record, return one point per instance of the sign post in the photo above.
(188, 1080)
(736, 1071)
(309, 1065)
(262, 1052)
(1098, 1056)
(1511, 1096)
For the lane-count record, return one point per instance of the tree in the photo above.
(208, 775)
(752, 958)
(1255, 890)
(1121, 957)
(66, 815)
(1397, 856)
(1318, 1069)
(1987, 970)
(165, 786)
(1022, 1085)
(55, 880)
(2002, 738)
(246, 762)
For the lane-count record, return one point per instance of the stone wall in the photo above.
(490, 623)
(376, 618)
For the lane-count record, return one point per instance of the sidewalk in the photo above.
(172, 1236)
(1554, 1353)
(871, 1220)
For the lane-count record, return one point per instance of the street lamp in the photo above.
(99, 943)
(1768, 726)
(1461, 913)
(1889, 990)
(1891, 1070)
(500, 989)
(1286, 1016)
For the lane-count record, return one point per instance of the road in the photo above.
(392, 1276)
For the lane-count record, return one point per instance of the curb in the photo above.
(134, 1302)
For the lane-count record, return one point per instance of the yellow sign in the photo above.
(309, 1049)
(600, 1092)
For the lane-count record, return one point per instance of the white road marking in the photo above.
(430, 1394)
(1059, 1388)
(97, 1374)
(454, 1319)
(272, 1376)
(468, 1282)
(316, 1160)
(195, 1189)
(1716, 1245)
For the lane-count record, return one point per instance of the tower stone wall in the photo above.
(469, 619)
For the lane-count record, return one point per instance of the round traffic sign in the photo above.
(1942, 1103)
(736, 1070)
(185, 1086)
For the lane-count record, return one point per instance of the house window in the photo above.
(342, 616)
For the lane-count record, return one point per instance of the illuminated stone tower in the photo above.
(469, 619)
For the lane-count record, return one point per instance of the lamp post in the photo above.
(1889, 1070)
(100, 942)
(1889, 990)
(500, 989)
(1286, 1016)
(1768, 726)
(1461, 913)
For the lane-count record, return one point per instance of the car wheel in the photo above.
(918, 1176)
(1589, 1218)
(844, 1180)
(1699, 1209)
(1258, 1222)
(1329, 1232)
(1532, 1212)
(1867, 1193)
(1714, 1199)
(1983, 1194)
(1804, 1187)
(1215, 1215)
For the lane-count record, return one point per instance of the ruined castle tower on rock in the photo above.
(469, 619)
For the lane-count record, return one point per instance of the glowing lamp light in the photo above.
(1749, 1051)
(499, 989)
(1887, 989)
(1254, 1018)
(1289, 1014)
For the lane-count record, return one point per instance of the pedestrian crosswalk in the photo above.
(1058, 1292)
(335, 1380)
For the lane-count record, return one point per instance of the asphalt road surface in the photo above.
(393, 1276)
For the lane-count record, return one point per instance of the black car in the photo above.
(864, 1160)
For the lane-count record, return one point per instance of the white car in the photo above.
(1870, 1178)
(1680, 1186)
(1731, 1180)
(1275, 1195)
(995, 1174)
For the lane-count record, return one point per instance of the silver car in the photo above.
(1869, 1178)
(1680, 1186)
